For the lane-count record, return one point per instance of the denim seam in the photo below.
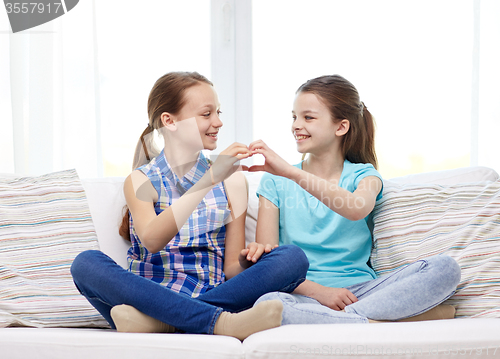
(99, 300)
(362, 319)
(218, 312)
(293, 285)
(283, 300)
(399, 270)
(429, 308)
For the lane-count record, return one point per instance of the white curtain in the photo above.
(6, 138)
(427, 70)
(50, 96)
(98, 61)
(55, 85)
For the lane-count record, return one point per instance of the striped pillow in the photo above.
(462, 220)
(44, 223)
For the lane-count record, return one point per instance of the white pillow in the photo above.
(253, 179)
(44, 223)
(106, 202)
(461, 220)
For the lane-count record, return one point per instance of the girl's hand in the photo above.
(227, 161)
(336, 298)
(273, 164)
(253, 252)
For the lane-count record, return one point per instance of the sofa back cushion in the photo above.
(414, 221)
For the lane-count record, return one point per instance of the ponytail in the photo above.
(124, 230)
(146, 148)
(369, 155)
(145, 151)
(359, 142)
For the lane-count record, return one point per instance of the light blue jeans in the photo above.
(411, 290)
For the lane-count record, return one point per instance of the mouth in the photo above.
(301, 138)
(212, 136)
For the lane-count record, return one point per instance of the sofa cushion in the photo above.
(437, 339)
(44, 223)
(461, 220)
(84, 343)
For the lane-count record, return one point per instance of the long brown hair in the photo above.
(167, 95)
(342, 99)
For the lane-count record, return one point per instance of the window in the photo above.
(138, 42)
(74, 90)
(411, 62)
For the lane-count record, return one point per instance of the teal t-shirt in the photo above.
(338, 249)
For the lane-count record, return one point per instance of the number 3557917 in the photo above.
(33, 7)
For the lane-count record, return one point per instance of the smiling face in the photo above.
(313, 127)
(198, 122)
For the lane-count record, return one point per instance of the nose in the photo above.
(217, 123)
(296, 126)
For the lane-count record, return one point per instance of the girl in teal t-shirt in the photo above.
(324, 206)
(308, 223)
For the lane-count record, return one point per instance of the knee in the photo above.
(268, 296)
(83, 262)
(454, 271)
(448, 269)
(295, 256)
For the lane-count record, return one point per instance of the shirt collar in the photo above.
(191, 177)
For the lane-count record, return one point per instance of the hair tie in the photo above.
(147, 131)
(362, 107)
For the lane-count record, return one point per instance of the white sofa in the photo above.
(476, 337)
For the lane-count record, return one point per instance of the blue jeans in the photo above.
(106, 284)
(409, 291)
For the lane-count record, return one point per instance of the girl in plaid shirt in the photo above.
(189, 269)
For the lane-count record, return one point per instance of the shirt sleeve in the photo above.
(267, 189)
(367, 171)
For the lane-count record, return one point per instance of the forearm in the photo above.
(232, 270)
(267, 229)
(339, 200)
(164, 227)
(334, 298)
(309, 289)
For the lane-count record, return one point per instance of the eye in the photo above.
(219, 112)
(207, 114)
(294, 117)
(309, 118)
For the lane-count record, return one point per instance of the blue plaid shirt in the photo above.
(192, 262)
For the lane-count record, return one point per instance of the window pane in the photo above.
(410, 61)
(6, 138)
(138, 43)
(489, 91)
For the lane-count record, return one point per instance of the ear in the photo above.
(167, 120)
(342, 127)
